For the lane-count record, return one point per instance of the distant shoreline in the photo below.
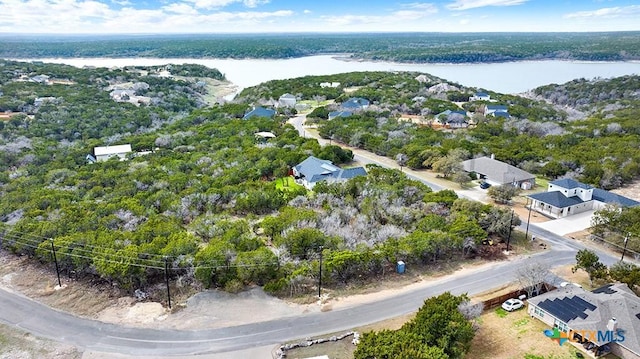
(505, 77)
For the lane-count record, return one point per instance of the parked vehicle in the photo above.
(512, 304)
(484, 185)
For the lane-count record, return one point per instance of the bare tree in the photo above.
(532, 276)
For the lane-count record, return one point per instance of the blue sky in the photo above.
(259, 16)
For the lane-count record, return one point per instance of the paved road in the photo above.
(92, 335)
(43, 321)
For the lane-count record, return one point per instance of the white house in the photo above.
(566, 197)
(287, 100)
(480, 96)
(104, 153)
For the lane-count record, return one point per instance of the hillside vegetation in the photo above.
(203, 198)
(398, 47)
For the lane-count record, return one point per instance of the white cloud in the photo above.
(307, 11)
(255, 3)
(180, 8)
(408, 12)
(218, 4)
(122, 2)
(617, 11)
(415, 11)
(472, 4)
(82, 16)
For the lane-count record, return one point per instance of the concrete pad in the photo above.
(574, 223)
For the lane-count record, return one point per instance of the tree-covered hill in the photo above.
(209, 197)
(399, 47)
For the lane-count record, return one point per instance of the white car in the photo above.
(512, 304)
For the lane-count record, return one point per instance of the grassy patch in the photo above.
(501, 312)
(287, 184)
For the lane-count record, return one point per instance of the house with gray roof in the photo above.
(453, 119)
(606, 319)
(287, 100)
(260, 112)
(313, 170)
(355, 104)
(335, 114)
(498, 173)
(565, 197)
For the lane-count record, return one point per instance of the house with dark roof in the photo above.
(260, 112)
(313, 170)
(606, 319)
(565, 197)
(498, 173)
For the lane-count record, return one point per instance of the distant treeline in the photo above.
(400, 47)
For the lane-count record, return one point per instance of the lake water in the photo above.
(509, 77)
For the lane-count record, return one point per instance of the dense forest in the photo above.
(202, 193)
(399, 47)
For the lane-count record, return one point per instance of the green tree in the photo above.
(503, 193)
(590, 262)
(626, 273)
(258, 266)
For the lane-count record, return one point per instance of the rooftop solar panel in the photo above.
(567, 309)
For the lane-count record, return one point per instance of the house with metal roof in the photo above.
(565, 197)
(604, 320)
(498, 173)
(105, 153)
(260, 112)
(313, 170)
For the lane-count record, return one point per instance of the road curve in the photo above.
(22, 312)
(41, 320)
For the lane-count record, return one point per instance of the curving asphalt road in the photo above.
(24, 313)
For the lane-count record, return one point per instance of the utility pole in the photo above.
(55, 259)
(510, 226)
(526, 233)
(626, 240)
(166, 279)
(320, 275)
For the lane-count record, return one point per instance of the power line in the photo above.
(120, 259)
